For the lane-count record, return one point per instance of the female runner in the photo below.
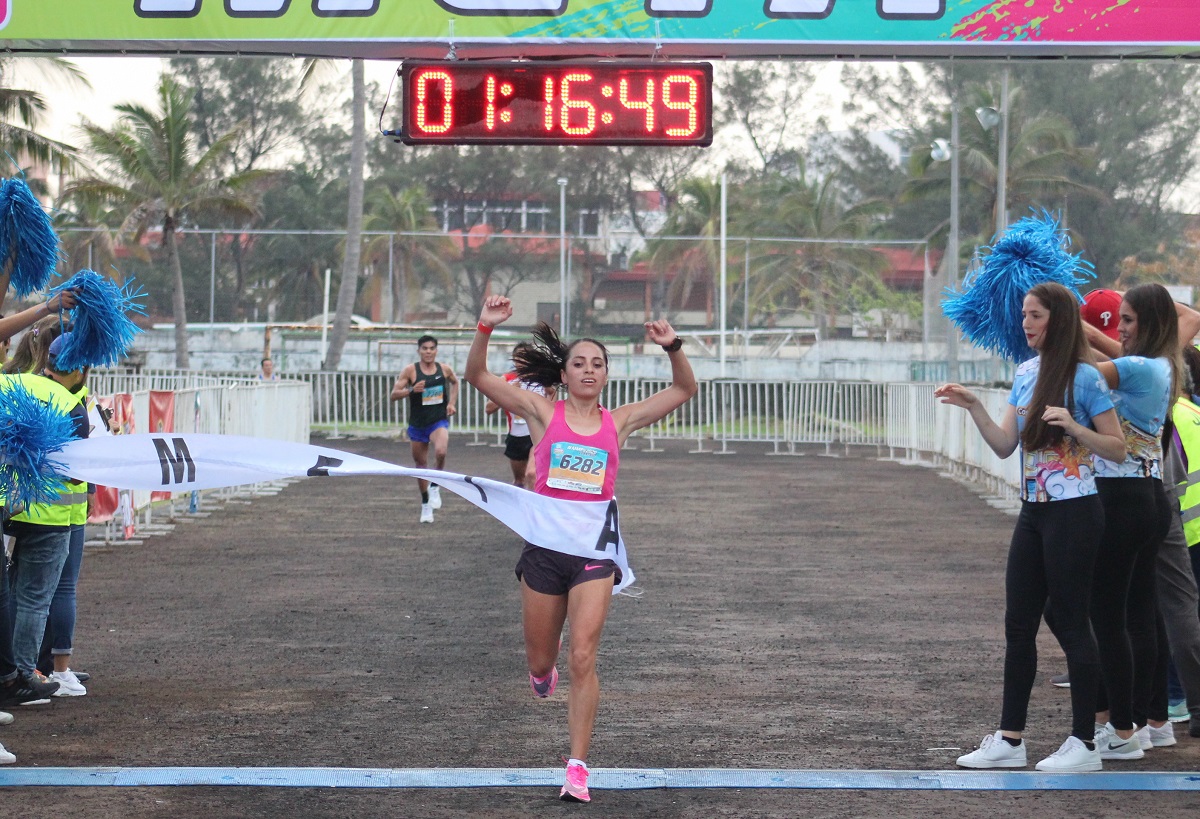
(1058, 531)
(556, 587)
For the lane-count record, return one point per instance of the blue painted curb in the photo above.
(601, 778)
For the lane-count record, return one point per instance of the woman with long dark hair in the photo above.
(1137, 515)
(576, 449)
(33, 349)
(1061, 415)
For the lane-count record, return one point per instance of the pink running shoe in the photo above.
(544, 686)
(575, 788)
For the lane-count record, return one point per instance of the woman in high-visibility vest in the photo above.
(1187, 427)
(1179, 565)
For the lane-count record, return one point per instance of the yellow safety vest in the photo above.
(79, 511)
(1187, 423)
(72, 500)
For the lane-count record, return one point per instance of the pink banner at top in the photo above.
(1082, 21)
(405, 29)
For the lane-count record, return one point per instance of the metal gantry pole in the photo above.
(952, 244)
(562, 256)
(1002, 160)
(212, 279)
(724, 265)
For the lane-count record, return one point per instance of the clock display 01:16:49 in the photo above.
(601, 103)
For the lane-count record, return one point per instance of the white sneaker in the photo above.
(1151, 737)
(426, 513)
(6, 758)
(435, 497)
(1072, 757)
(68, 684)
(994, 752)
(6, 718)
(1111, 746)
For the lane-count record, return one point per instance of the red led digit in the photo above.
(548, 97)
(489, 113)
(574, 104)
(423, 82)
(693, 94)
(645, 104)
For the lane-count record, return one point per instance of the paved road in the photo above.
(798, 612)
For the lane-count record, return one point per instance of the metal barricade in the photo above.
(752, 411)
(904, 418)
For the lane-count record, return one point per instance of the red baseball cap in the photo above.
(1101, 309)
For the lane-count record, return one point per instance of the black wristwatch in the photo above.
(674, 345)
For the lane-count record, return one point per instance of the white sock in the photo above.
(574, 761)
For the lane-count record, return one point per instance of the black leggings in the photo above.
(1124, 602)
(1050, 564)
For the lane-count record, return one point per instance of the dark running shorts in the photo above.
(421, 434)
(550, 572)
(516, 447)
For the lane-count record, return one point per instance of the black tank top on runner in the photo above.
(427, 407)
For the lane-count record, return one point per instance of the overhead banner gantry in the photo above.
(396, 29)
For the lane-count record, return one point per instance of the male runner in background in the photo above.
(432, 392)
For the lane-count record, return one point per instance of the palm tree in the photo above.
(352, 258)
(21, 111)
(156, 179)
(404, 214)
(696, 213)
(833, 272)
(85, 228)
(293, 264)
(1041, 156)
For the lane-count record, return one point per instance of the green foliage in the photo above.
(833, 273)
(152, 174)
(1108, 145)
(22, 111)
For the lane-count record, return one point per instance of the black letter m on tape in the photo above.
(176, 460)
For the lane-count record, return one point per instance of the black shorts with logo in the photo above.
(550, 572)
(516, 447)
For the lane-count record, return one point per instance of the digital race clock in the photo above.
(560, 103)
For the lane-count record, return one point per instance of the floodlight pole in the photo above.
(952, 243)
(325, 309)
(746, 305)
(1002, 160)
(212, 279)
(562, 256)
(724, 265)
(391, 280)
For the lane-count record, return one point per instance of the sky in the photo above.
(121, 79)
(116, 80)
(124, 79)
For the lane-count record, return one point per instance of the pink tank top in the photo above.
(574, 466)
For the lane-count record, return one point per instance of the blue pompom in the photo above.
(988, 310)
(30, 430)
(102, 331)
(27, 241)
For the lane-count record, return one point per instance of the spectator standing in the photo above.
(1061, 415)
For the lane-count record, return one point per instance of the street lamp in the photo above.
(989, 118)
(562, 256)
(940, 151)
